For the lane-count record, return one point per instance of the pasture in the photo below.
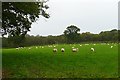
(42, 62)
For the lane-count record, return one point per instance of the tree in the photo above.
(71, 34)
(17, 17)
(109, 35)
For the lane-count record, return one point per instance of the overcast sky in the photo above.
(89, 15)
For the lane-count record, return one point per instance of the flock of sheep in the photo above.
(76, 49)
(63, 49)
(73, 49)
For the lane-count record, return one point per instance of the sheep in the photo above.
(17, 48)
(94, 44)
(62, 50)
(92, 49)
(80, 45)
(36, 47)
(42, 47)
(74, 49)
(55, 50)
(21, 47)
(29, 48)
(111, 47)
(49, 45)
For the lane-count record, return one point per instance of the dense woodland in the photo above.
(87, 37)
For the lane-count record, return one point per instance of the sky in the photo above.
(89, 15)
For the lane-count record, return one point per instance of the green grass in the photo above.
(44, 63)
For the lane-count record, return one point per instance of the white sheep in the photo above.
(55, 50)
(111, 47)
(17, 48)
(75, 49)
(29, 48)
(36, 47)
(49, 46)
(62, 50)
(80, 45)
(92, 49)
(72, 47)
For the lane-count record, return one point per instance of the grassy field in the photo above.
(44, 63)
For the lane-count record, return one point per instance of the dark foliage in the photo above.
(106, 36)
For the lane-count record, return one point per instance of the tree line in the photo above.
(87, 37)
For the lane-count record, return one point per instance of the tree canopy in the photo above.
(71, 33)
(17, 17)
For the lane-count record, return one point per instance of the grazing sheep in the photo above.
(62, 50)
(54, 46)
(94, 44)
(75, 49)
(22, 47)
(111, 47)
(42, 47)
(36, 47)
(92, 49)
(72, 47)
(80, 45)
(49, 45)
(55, 50)
(29, 48)
(17, 48)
